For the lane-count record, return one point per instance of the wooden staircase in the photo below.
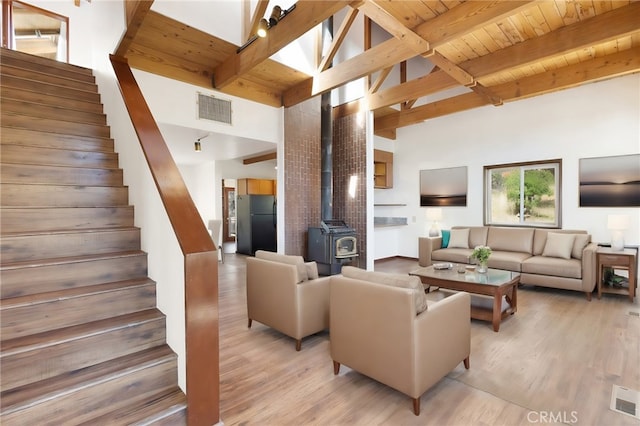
(82, 341)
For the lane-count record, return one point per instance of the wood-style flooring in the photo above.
(553, 362)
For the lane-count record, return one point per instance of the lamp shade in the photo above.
(617, 222)
(434, 214)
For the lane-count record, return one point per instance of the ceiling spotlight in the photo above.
(263, 26)
(198, 147)
(275, 16)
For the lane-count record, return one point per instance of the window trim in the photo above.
(555, 163)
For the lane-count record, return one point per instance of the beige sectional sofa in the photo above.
(557, 258)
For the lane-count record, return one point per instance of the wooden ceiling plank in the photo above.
(338, 39)
(386, 54)
(617, 23)
(617, 64)
(258, 14)
(159, 63)
(376, 12)
(604, 67)
(136, 13)
(305, 16)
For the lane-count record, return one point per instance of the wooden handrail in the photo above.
(200, 257)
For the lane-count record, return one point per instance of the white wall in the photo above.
(601, 119)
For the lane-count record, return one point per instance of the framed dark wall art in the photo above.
(610, 181)
(443, 187)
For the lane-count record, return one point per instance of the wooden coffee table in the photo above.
(495, 282)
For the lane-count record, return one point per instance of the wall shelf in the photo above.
(389, 205)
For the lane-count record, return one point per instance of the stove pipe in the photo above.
(326, 138)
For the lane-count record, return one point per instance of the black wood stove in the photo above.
(332, 245)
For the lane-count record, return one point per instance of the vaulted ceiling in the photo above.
(495, 51)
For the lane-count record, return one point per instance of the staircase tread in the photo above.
(70, 293)
(69, 259)
(58, 108)
(60, 166)
(23, 56)
(9, 67)
(44, 390)
(69, 231)
(54, 337)
(156, 407)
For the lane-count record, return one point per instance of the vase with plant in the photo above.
(481, 254)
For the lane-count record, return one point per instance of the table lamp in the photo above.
(617, 223)
(434, 215)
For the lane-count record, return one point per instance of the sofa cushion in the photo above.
(554, 266)
(459, 238)
(508, 260)
(312, 270)
(559, 245)
(455, 255)
(579, 244)
(510, 239)
(540, 237)
(395, 280)
(446, 235)
(298, 261)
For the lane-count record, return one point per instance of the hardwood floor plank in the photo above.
(558, 354)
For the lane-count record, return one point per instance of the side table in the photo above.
(622, 260)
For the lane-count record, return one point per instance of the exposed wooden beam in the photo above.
(460, 20)
(258, 14)
(599, 29)
(381, 78)
(338, 38)
(305, 16)
(376, 12)
(601, 68)
(412, 89)
(260, 158)
(432, 110)
(135, 14)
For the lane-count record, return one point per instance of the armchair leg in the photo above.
(588, 296)
(336, 367)
(298, 345)
(249, 325)
(416, 406)
(466, 363)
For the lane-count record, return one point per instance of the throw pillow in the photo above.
(410, 282)
(459, 238)
(446, 234)
(312, 270)
(559, 245)
(298, 261)
(579, 244)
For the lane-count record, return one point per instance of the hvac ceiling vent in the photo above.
(212, 108)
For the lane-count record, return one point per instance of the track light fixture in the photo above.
(197, 145)
(263, 26)
(277, 15)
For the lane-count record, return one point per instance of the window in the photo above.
(523, 194)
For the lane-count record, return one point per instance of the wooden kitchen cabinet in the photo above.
(256, 187)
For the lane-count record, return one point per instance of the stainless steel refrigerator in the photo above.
(256, 223)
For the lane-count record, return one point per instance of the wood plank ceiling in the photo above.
(501, 51)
